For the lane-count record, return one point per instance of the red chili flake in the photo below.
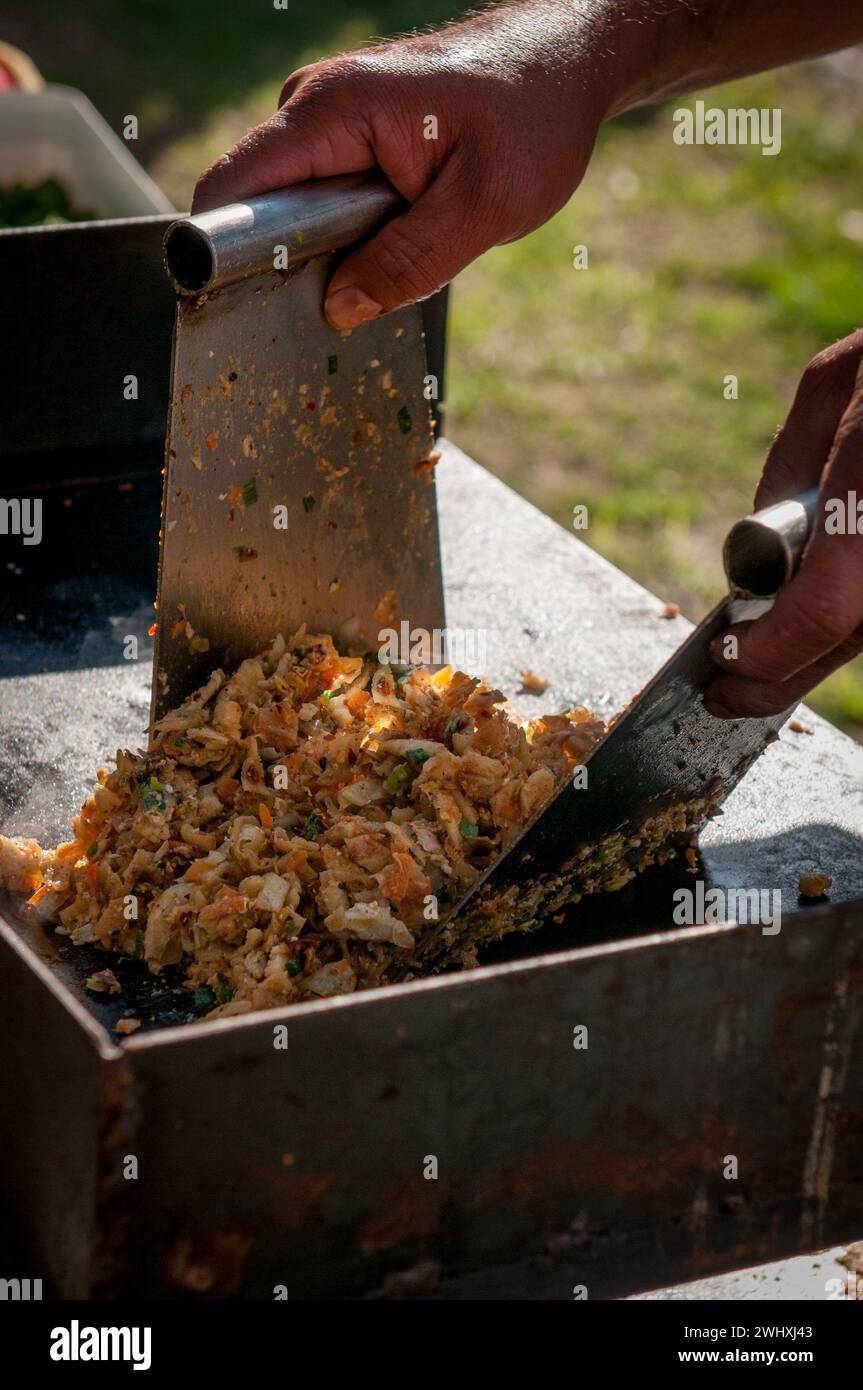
(310, 405)
(151, 631)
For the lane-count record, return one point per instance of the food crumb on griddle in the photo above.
(671, 610)
(532, 682)
(125, 1026)
(814, 885)
(103, 982)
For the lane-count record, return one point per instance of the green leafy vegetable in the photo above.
(151, 794)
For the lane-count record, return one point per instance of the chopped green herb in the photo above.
(310, 830)
(294, 967)
(250, 492)
(533, 925)
(138, 948)
(159, 864)
(332, 365)
(672, 854)
(151, 794)
(467, 830)
(204, 997)
(225, 991)
(406, 424)
(309, 501)
(297, 652)
(93, 850)
(398, 777)
(418, 755)
(451, 727)
(327, 694)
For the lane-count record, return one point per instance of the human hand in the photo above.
(816, 622)
(512, 131)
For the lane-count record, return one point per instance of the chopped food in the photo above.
(296, 829)
(671, 610)
(797, 728)
(814, 885)
(127, 1025)
(104, 982)
(534, 683)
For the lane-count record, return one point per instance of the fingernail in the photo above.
(350, 307)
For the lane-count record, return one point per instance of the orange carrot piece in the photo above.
(227, 906)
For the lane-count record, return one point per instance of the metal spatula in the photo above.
(298, 484)
(664, 751)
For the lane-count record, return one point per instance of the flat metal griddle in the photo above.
(69, 699)
(608, 1162)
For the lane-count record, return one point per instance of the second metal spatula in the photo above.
(298, 486)
(664, 758)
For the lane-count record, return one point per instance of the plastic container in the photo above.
(59, 133)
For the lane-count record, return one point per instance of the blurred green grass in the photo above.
(601, 386)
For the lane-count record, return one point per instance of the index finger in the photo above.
(307, 139)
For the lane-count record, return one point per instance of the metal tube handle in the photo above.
(213, 249)
(762, 551)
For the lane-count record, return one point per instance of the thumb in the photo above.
(411, 257)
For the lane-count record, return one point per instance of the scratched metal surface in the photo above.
(271, 404)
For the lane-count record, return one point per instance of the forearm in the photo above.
(635, 52)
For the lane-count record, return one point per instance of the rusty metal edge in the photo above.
(463, 979)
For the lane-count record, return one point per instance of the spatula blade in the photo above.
(664, 752)
(299, 486)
